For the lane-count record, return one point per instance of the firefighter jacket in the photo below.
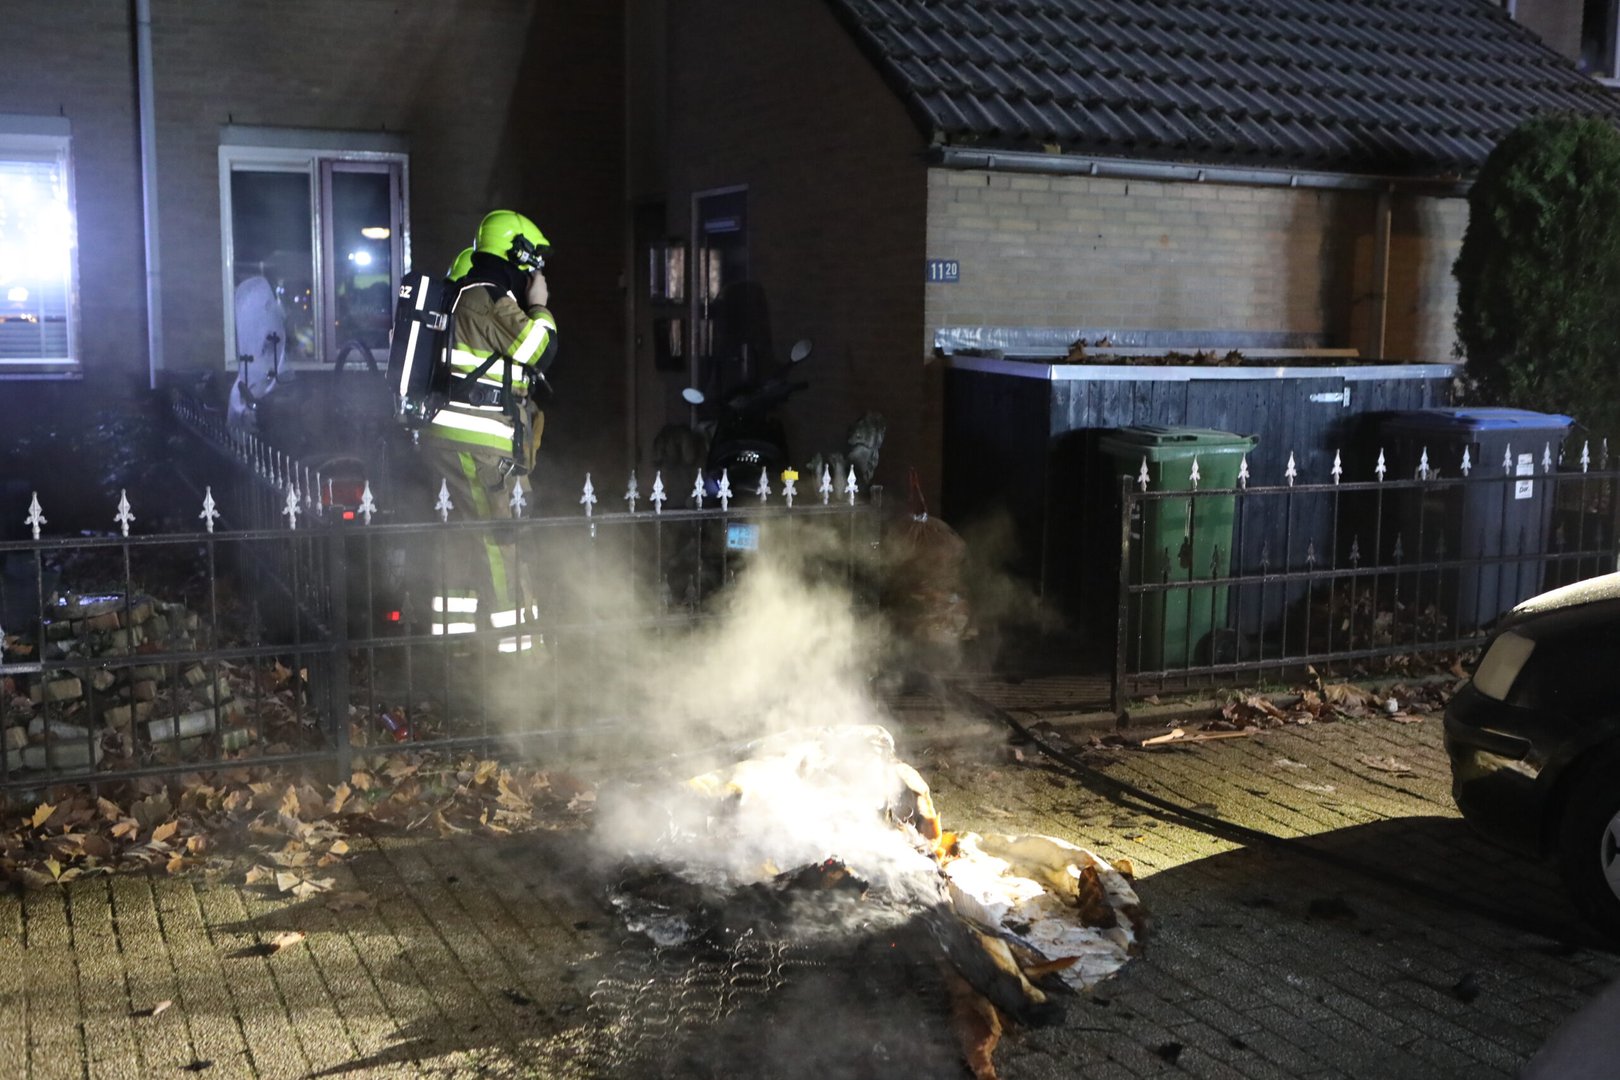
(490, 322)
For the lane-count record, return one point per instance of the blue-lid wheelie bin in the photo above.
(1503, 509)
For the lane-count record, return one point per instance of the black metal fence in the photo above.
(303, 620)
(1226, 585)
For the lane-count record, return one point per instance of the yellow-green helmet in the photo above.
(463, 263)
(513, 237)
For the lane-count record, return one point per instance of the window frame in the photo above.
(51, 136)
(317, 155)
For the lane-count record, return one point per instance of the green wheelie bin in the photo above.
(1178, 540)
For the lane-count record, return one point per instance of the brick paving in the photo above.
(479, 956)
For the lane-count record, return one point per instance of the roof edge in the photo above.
(1029, 161)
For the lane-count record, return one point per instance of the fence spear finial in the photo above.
(368, 504)
(764, 484)
(658, 496)
(1423, 464)
(1243, 473)
(1586, 455)
(632, 493)
(851, 488)
(826, 486)
(36, 515)
(1194, 476)
(209, 513)
(444, 505)
(1142, 477)
(1507, 458)
(724, 490)
(1292, 472)
(1546, 458)
(588, 499)
(123, 517)
(1338, 467)
(1467, 462)
(291, 509)
(790, 485)
(1382, 467)
(697, 489)
(517, 502)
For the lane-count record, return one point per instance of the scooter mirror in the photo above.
(693, 396)
(801, 350)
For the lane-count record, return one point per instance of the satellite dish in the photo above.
(261, 345)
(693, 396)
(801, 351)
(261, 333)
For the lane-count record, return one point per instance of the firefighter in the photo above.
(484, 439)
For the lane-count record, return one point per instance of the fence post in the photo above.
(1123, 630)
(337, 621)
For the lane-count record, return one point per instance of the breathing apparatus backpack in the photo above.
(419, 350)
(420, 375)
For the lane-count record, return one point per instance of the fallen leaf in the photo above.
(163, 832)
(312, 887)
(42, 814)
(1386, 764)
(269, 948)
(340, 795)
(151, 811)
(109, 809)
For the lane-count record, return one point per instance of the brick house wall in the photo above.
(1138, 254)
(776, 96)
(499, 102)
(78, 61)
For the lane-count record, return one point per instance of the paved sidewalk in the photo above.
(483, 956)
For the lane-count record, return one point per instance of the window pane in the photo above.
(36, 251)
(271, 238)
(362, 257)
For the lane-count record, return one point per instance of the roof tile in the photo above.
(1385, 86)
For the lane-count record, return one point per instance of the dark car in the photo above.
(1534, 739)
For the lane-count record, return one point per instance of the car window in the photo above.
(1575, 671)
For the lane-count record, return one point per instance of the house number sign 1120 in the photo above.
(944, 271)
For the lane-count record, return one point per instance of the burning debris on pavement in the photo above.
(822, 839)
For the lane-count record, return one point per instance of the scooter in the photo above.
(749, 439)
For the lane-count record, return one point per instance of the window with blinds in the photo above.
(37, 248)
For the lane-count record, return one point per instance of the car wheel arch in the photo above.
(1600, 755)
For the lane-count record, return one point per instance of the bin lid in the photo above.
(1153, 440)
(1464, 421)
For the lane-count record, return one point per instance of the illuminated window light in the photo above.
(17, 295)
(376, 232)
(360, 258)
